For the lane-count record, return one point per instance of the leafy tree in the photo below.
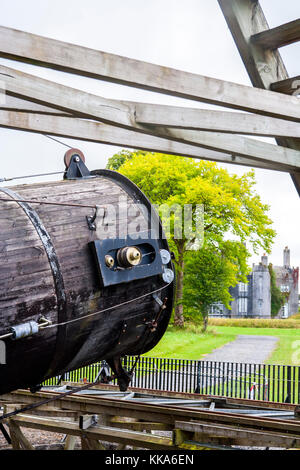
(117, 160)
(278, 298)
(208, 275)
(233, 213)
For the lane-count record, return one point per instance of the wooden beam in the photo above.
(38, 50)
(211, 120)
(289, 86)
(244, 436)
(17, 104)
(183, 118)
(280, 36)
(17, 437)
(105, 433)
(246, 18)
(106, 134)
(240, 146)
(122, 115)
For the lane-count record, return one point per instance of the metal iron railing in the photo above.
(278, 383)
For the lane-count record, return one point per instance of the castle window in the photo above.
(243, 287)
(243, 305)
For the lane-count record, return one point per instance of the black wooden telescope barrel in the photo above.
(54, 267)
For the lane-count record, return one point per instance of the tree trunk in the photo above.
(179, 318)
(205, 320)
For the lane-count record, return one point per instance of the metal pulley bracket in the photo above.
(110, 252)
(75, 165)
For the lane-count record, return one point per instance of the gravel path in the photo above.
(246, 349)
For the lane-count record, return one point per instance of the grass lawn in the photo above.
(286, 349)
(190, 343)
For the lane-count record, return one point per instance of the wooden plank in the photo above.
(121, 115)
(289, 86)
(241, 146)
(249, 436)
(280, 36)
(110, 135)
(183, 118)
(70, 58)
(17, 104)
(169, 414)
(211, 120)
(246, 18)
(104, 433)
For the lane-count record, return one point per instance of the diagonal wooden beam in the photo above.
(183, 118)
(246, 18)
(280, 36)
(38, 50)
(122, 115)
(17, 104)
(241, 146)
(105, 134)
(211, 120)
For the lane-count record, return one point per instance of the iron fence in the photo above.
(278, 383)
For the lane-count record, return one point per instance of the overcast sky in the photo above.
(190, 35)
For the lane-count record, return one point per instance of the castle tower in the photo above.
(286, 257)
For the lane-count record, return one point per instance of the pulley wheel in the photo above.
(71, 153)
(129, 256)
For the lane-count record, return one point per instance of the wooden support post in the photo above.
(70, 443)
(17, 437)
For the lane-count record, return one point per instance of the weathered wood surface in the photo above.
(202, 431)
(19, 45)
(278, 37)
(111, 135)
(182, 118)
(105, 433)
(27, 290)
(211, 120)
(246, 18)
(289, 86)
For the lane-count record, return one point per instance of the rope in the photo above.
(52, 203)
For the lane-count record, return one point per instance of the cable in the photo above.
(31, 176)
(58, 141)
(95, 313)
(106, 309)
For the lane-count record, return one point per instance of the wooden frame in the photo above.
(39, 105)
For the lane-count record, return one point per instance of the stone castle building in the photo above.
(254, 298)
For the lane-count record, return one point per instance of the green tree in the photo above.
(233, 212)
(278, 298)
(117, 160)
(208, 275)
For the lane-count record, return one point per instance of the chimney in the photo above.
(286, 257)
(264, 260)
